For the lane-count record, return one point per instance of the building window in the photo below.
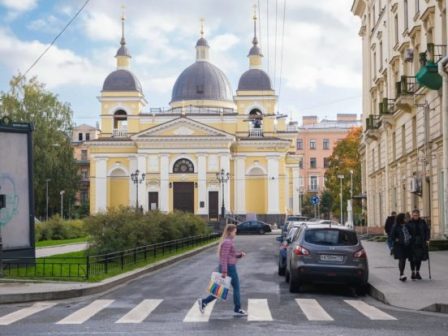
(326, 162)
(301, 164)
(396, 29)
(394, 146)
(414, 133)
(84, 197)
(183, 166)
(373, 159)
(80, 136)
(313, 162)
(313, 183)
(326, 144)
(84, 154)
(84, 174)
(374, 65)
(403, 140)
(379, 156)
(381, 55)
(299, 144)
(373, 16)
(417, 6)
(87, 136)
(312, 144)
(405, 7)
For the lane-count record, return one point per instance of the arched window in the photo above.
(183, 166)
(120, 119)
(256, 116)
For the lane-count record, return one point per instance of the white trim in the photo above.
(119, 166)
(184, 156)
(100, 184)
(273, 186)
(255, 106)
(255, 166)
(116, 108)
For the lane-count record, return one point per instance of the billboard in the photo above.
(16, 189)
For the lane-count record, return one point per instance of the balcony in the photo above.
(387, 110)
(121, 132)
(256, 133)
(405, 90)
(428, 75)
(373, 123)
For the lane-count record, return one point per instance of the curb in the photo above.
(107, 284)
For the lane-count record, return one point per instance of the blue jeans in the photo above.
(231, 272)
(390, 242)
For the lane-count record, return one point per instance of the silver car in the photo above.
(323, 253)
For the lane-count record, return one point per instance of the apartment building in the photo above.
(402, 145)
(315, 144)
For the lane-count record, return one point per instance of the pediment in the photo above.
(182, 127)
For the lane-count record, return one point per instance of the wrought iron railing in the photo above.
(373, 122)
(387, 106)
(407, 86)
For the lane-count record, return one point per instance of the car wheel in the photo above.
(294, 283)
(281, 270)
(261, 231)
(361, 290)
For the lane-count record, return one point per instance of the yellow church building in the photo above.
(210, 148)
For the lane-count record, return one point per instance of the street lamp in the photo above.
(137, 180)
(341, 177)
(46, 193)
(62, 192)
(222, 178)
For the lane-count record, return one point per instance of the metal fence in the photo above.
(89, 267)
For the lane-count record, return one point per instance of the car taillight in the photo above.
(301, 251)
(360, 254)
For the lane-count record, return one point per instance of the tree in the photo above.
(345, 157)
(29, 101)
(326, 204)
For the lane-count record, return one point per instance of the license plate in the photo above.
(330, 257)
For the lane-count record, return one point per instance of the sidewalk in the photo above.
(429, 295)
(59, 249)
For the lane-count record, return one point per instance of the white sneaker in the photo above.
(201, 306)
(240, 312)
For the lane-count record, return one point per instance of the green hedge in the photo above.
(56, 229)
(124, 228)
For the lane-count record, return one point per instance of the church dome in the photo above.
(254, 80)
(202, 81)
(122, 80)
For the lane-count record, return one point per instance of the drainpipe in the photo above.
(443, 62)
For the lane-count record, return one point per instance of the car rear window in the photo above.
(331, 237)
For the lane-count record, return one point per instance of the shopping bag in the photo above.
(219, 287)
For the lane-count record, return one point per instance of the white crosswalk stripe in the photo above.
(140, 312)
(313, 310)
(194, 315)
(369, 311)
(258, 310)
(83, 314)
(25, 312)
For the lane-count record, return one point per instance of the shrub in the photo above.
(56, 228)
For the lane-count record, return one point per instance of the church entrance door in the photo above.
(183, 196)
(213, 206)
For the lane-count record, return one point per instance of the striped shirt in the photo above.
(227, 254)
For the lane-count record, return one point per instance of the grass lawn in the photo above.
(73, 266)
(45, 243)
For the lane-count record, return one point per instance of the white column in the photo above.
(100, 184)
(287, 196)
(164, 183)
(225, 164)
(240, 185)
(295, 190)
(132, 168)
(202, 185)
(142, 194)
(273, 185)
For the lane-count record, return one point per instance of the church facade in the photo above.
(210, 151)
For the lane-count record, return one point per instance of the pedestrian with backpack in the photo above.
(402, 243)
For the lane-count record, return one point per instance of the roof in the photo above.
(325, 123)
(254, 80)
(202, 42)
(200, 81)
(122, 80)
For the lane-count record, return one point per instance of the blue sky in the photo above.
(320, 73)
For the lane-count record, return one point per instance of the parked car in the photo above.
(253, 227)
(322, 253)
(284, 242)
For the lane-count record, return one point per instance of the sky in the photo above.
(313, 56)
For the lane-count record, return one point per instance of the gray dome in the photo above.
(123, 51)
(122, 80)
(202, 42)
(254, 80)
(200, 81)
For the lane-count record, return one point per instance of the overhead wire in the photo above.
(275, 42)
(267, 37)
(281, 56)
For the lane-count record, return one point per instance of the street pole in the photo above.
(46, 194)
(341, 177)
(137, 179)
(222, 178)
(62, 203)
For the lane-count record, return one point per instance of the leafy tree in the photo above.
(326, 204)
(307, 206)
(345, 158)
(29, 101)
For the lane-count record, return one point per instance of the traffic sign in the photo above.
(315, 200)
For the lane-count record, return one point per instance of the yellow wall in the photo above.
(118, 194)
(256, 201)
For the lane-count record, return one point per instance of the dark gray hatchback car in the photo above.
(326, 254)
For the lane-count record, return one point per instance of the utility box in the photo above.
(16, 189)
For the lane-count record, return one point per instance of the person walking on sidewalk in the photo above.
(402, 243)
(390, 221)
(227, 266)
(419, 231)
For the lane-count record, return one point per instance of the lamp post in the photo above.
(46, 194)
(341, 177)
(62, 192)
(222, 178)
(137, 180)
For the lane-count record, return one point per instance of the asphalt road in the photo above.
(164, 303)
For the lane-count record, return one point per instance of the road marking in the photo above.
(313, 310)
(83, 314)
(25, 312)
(194, 315)
(258, 310)
(140, 312)
(369, 311)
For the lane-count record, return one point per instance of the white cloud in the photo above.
(100, 26)
(19, 5)
(224, 42)
(51, 24)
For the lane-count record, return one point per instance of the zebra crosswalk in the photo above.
(258, 310)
